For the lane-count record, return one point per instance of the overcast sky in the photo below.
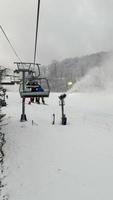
(67, 28)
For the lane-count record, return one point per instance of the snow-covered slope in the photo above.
(55, 162)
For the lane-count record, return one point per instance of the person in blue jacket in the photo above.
(40, 89)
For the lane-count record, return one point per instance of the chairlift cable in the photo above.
(37, 23)
(10, 43)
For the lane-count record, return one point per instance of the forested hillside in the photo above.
(72, 70)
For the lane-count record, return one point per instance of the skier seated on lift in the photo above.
(33, 89)
(40, 89)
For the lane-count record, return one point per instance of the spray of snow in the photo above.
(97, 79)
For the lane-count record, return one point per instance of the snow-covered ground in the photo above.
(55, 162)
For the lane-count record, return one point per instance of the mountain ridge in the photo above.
(60, 73)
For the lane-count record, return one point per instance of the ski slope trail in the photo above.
(55, 162)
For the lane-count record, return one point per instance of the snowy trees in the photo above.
(71, 70)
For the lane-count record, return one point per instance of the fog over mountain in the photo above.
(77, 70)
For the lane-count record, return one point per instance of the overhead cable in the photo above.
(37, 23)
(10, 43)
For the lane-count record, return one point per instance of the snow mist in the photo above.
(99, 78)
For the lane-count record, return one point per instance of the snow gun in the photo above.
(62, 103)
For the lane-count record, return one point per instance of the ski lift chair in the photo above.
(28, 92)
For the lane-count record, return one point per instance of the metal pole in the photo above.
(23, 106)
(23, 116)
(37, 24)
(62, 105)
(23, 80)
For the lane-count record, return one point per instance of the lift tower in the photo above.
(24, 68)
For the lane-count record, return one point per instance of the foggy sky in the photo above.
(66, 29)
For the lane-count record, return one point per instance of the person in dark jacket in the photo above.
(40, 89)
(33, 89)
